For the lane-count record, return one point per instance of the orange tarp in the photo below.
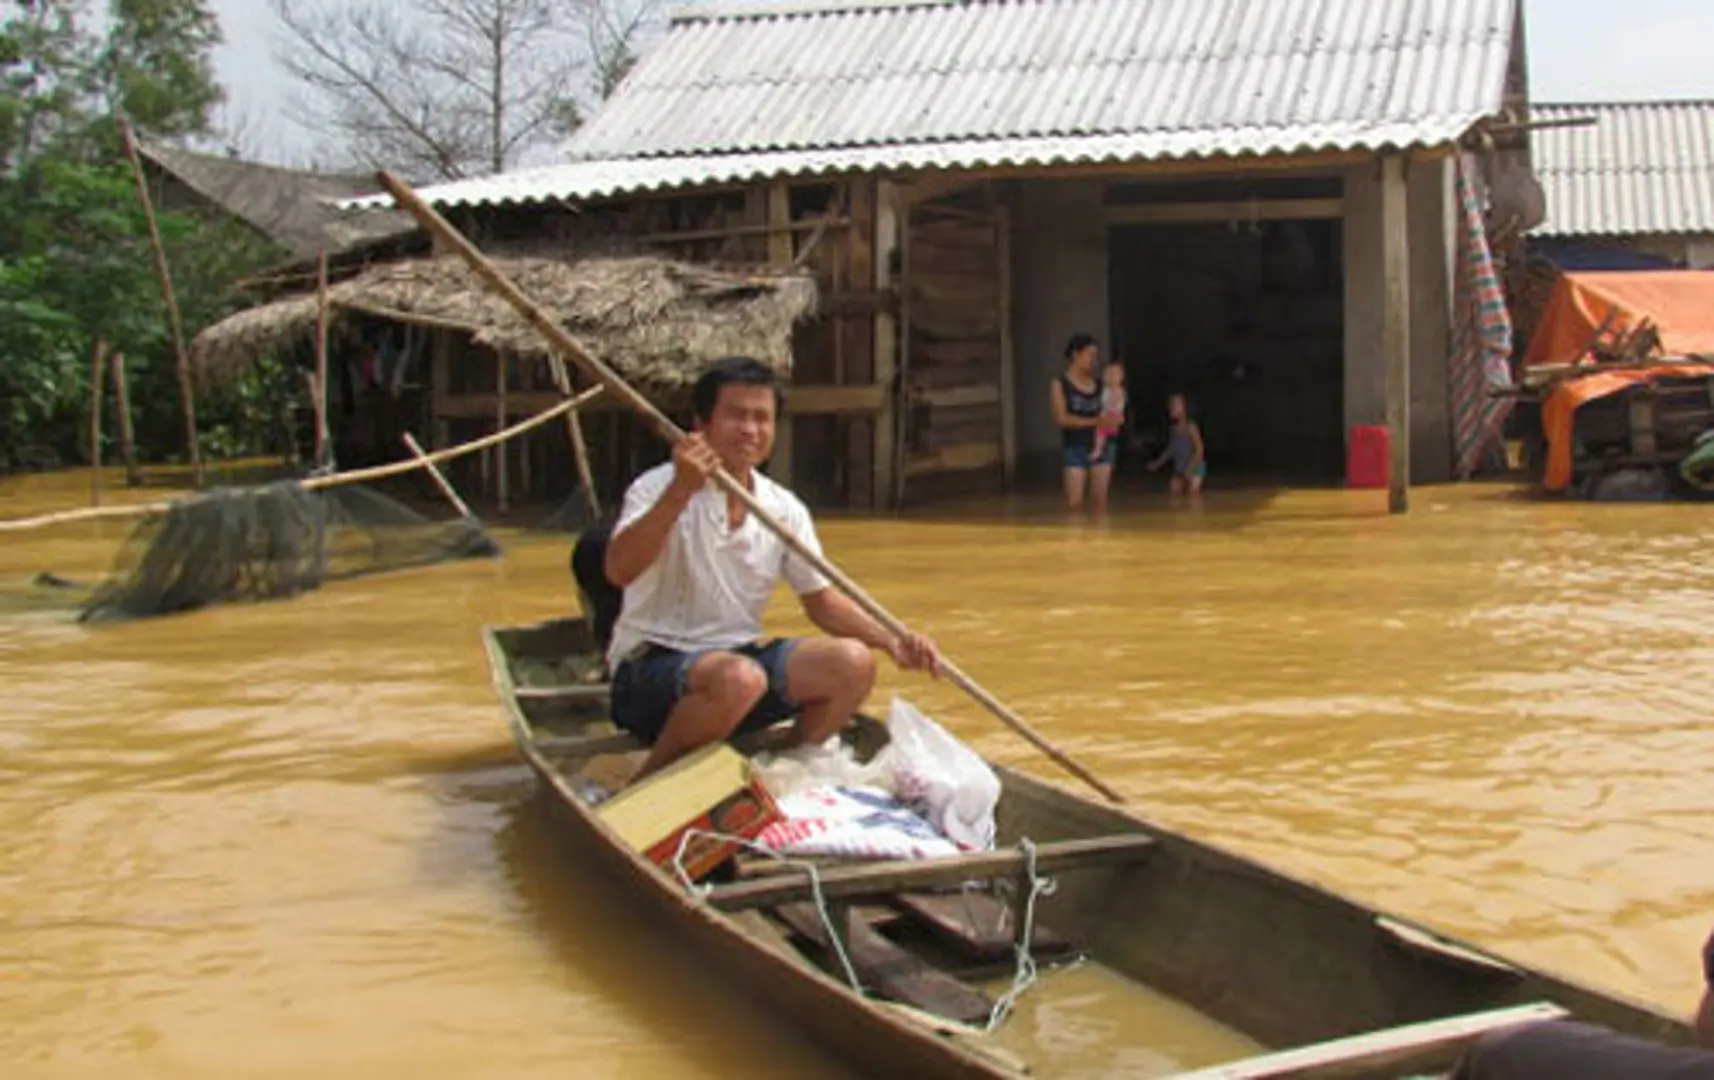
(1557, 410)
(1680, 302)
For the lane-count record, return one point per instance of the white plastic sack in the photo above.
(853, 823)
(832, 764)
(935, 773)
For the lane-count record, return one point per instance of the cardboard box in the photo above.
(711, 790)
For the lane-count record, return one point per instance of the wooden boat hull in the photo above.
(1285, 962)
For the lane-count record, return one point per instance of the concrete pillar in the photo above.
(1425, 239)
(1059, 287)
(1395, 322)
(1430, 212)
(1365, 371)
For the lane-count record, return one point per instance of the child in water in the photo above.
(1112, 407)
(1184, 448)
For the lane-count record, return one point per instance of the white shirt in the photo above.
(711, 582)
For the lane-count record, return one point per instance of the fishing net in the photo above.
(267, 542)
(572, 515)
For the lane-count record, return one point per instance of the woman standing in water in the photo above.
(1076, 400)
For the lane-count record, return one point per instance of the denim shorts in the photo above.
(649, 683)
(1079, 457)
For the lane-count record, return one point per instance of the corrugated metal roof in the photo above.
(803, 89)
(865, 75)
(582, 180)
(1644, 167)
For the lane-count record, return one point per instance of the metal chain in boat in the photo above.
(814, 888)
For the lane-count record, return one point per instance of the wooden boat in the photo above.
(1319, 985)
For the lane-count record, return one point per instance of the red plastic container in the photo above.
(1370, 458)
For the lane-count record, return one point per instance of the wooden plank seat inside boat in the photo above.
(586, 733)
(582, 740)
(977, 925)
(891, 876)
(891, 970)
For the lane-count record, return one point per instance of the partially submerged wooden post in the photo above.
(313, 389)
(1395, 323)
(97, 367)
(439, 477)
(187, 396)
(323, 451)
(1008, 362)
(122, 405)
(574, 431)
(889, 210)
(500, 425)
(780, 257)
(896, 404)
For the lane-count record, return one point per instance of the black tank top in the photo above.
(1079, 403)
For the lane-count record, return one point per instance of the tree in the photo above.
(74, 256)
(455, 88)
(158, 66)
(45, 62)
(446, 88)
(613, 32)
(68, 68)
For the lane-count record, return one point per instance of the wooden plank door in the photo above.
(955, 357)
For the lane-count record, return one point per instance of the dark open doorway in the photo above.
(1246, 318)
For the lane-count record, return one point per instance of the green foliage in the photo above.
(76, 262)
(158, 63)
(68, 69)
(40, 370)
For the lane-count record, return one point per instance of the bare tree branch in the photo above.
(447, 88)
(614, 33)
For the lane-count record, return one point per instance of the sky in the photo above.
(1579, 50)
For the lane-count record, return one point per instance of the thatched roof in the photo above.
(654, 320)
(295, 208)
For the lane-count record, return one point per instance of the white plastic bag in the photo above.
(831, 764)
(942, 778)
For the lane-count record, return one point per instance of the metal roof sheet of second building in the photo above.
(1643, 167)
(1269, 75)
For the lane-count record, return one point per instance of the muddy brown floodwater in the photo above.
(293, 839)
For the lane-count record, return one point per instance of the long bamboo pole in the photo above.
(187, 396)
(566, 345)
(317, 483)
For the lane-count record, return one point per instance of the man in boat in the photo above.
(1567, 1050)
(688, 660)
